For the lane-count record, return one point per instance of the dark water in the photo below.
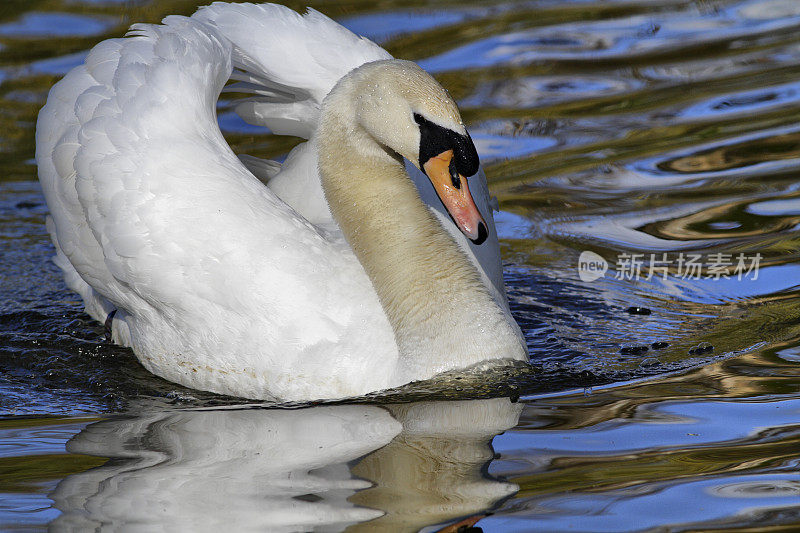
(654, 134)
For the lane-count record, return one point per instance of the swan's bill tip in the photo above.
(482, 234)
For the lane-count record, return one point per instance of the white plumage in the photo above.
(219, 282)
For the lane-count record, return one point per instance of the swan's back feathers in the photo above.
(290, 62)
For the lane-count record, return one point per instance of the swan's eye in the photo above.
(454, 176)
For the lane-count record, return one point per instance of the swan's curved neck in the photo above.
(432, 294)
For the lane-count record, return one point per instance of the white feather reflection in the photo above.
(288, 470)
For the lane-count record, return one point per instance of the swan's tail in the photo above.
(287, 61)
(96, 305)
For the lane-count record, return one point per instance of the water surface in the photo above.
(659, 398)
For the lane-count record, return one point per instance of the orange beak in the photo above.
(453, 191)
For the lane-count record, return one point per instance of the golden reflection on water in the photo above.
(746, 154)
(618, 441)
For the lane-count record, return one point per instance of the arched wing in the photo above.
(154, 211)
(288, 61)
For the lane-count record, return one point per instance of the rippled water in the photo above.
(651, 131)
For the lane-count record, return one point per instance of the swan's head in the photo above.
(405, 110)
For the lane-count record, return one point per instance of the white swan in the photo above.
(334, 279)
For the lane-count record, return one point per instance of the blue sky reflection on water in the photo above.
(663, 426)
(56, 25)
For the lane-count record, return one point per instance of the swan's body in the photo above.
(335, 279)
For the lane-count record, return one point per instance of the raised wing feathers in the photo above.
(289, 61)
(150, 205)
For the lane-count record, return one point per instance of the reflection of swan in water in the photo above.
(205, 470)
(299, 470)
(432, 472)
